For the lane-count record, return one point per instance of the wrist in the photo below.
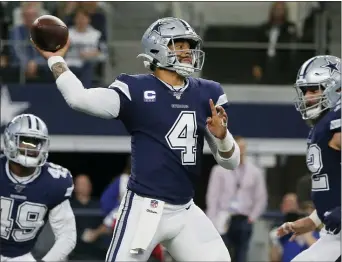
(315, 219)
(226, 144)
(55, 59)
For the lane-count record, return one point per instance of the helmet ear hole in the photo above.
(154, 51)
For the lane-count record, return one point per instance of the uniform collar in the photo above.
(22, 180)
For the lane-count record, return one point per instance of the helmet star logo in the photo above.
(332, 67)
(159, 25)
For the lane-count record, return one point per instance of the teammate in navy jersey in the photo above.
(168, 114)
(33, 192)
(318, 87)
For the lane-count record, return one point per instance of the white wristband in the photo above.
(55, 59)
(226, 144)
(314, 217)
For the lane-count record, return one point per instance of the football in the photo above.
(49, 33)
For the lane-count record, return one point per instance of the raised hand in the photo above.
(217, 123)
(46, 54)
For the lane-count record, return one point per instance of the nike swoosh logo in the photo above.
(187, 208)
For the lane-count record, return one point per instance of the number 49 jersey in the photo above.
(25, 206)
(167, 128)
(324, 163)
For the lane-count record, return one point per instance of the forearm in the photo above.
(306, 224)
(101, 102)
(62, 247)
(62, 221)
(225, 151)
(102, 230)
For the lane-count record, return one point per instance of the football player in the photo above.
(110, 201)
(33, 191)
(318, 88)
(168, 114)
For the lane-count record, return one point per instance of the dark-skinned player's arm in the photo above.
(220, 140)
(101, 102)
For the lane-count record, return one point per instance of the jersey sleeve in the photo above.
(220, 98)
(335, 122)
(61, 182)
(100, 102)
(122, 85)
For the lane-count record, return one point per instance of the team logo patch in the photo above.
(154, 203)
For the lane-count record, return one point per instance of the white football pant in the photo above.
(185, 231)
(327, 248)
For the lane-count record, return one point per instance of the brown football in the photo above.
(49, 33)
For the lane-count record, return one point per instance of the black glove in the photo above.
(332, 220)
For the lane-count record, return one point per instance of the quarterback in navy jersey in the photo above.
(168, 114)
(318, 87)
(33, 192)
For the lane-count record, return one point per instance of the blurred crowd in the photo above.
(87, 31)
(269, 64)
(234, 205)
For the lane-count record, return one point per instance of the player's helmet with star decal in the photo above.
(322, 74)
(164, 32)
(26, 141)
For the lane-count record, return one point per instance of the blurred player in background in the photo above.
(168, 114)
(33, 191)
(281, 249)
(110, 202)
(318, 87)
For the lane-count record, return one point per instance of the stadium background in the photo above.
(256, 73)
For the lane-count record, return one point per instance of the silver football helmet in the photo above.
(26, 141)
(322, 76)
(165, 32)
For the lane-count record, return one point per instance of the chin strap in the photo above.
(183, 69)
(148, 60)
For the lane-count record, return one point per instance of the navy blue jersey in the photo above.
(25, 206)
(324, 163)
(167, 129)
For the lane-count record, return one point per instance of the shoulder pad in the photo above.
(127, 83)
(123, 83)
(337, 107)
(215, 90)
(129, 79)
(205, 82)
(62, 180)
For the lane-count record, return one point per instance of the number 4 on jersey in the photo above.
(182, 136)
